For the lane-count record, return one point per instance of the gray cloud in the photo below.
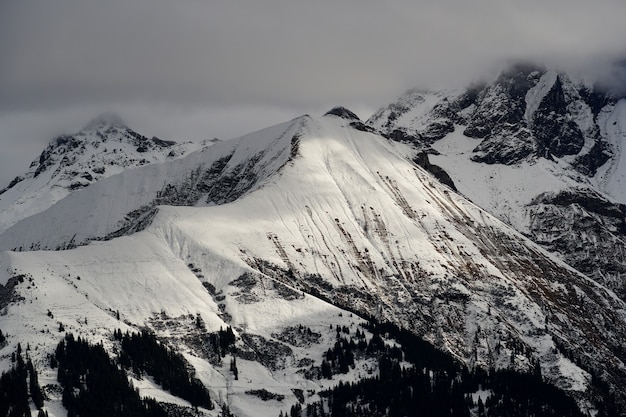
(257, 60)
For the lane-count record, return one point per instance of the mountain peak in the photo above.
(342, 112)
(103, 147)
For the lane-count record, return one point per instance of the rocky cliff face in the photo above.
(527, 112)
(587, 229)
(536, 148)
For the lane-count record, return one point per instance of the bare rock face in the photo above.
(587, 229)
(525, 113)
(555, 132)
(500, 107)
(342, 112)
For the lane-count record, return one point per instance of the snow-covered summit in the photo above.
(115, 205)
(104, 147)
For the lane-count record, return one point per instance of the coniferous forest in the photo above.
(94, 386)
(142, 353)
(416, 379)
(15, 386)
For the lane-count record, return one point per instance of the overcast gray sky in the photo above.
(193, 69)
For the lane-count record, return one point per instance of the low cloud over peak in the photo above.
(286, 57)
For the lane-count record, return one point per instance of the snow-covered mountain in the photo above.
(104, 147)
(316, 222)
(215, 175)
(539, 149)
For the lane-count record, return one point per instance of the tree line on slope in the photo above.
(17, 385)
(142, 353)
(416, 379)
(96, 385)
(93, 385)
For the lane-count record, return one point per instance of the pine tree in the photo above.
(35, 390)
(481, 407)
(233, 367)
(326, 370)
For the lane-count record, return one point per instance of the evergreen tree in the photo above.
(94, 386)
(14, 389)
(35, 390)
(233, 367)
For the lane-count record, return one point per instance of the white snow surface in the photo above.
(611, 178)
(503, 190)
(345, 206)
(535, 95)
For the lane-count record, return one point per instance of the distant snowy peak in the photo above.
(103, 147)
(525, 113)
(418, 117)
(125, 203)
(105, 141)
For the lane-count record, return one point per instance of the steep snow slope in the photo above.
(392, 243)
(611, 178)
(324, 210)
(104, 147)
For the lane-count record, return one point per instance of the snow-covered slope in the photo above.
(538, 149)
(104, 147)
(611, 177)
(311, 210)
(139, 282)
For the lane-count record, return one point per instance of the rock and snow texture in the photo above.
(539, 150)
(104, 147)
(118, 204)
(139, 282)
(312, 206)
